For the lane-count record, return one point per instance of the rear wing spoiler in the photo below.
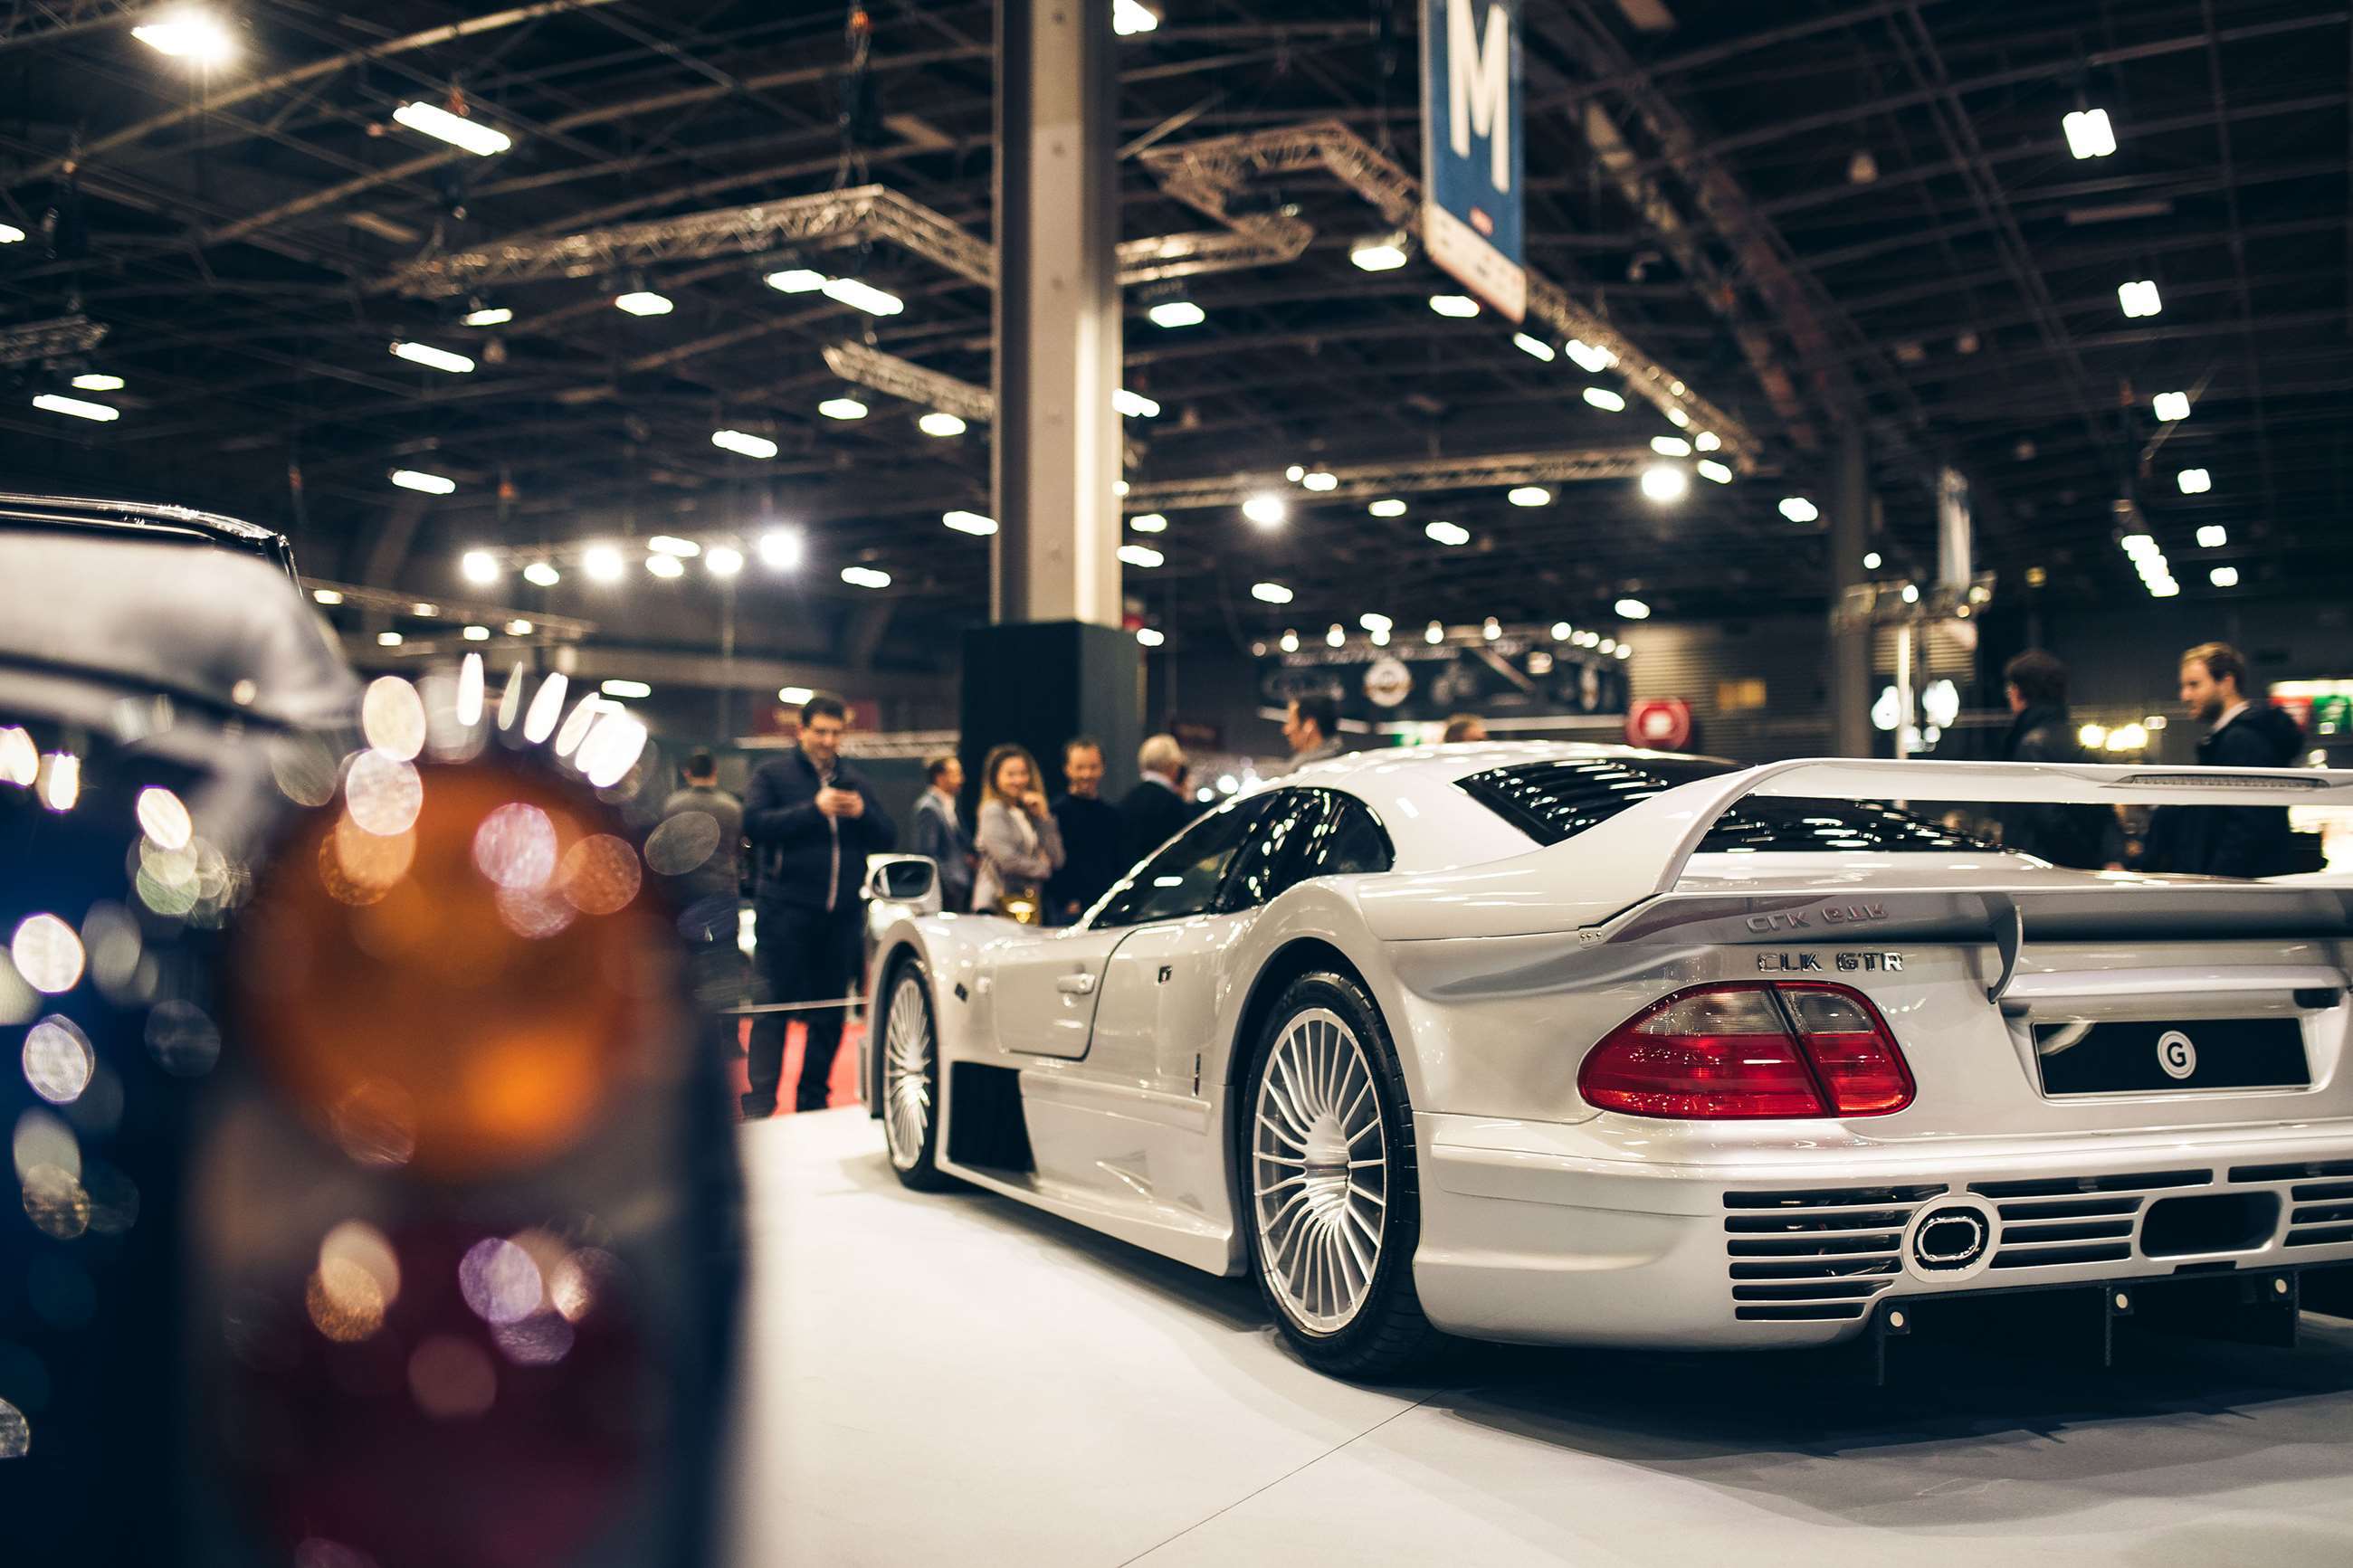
(1621, 881)
(2008, 784)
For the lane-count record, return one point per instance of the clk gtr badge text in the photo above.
(1827, 914)
(1811, 962)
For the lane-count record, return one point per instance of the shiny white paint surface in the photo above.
(1497, 965)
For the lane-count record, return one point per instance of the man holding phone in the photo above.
(812, 820)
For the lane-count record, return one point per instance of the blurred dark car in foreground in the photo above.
(374, 1209)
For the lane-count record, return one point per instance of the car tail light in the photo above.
(1750, 1051)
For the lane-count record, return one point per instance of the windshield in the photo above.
(1555, 800)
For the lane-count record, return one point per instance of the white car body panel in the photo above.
(1497, 966)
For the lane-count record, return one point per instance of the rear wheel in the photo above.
(1328, 1166)
(911, 1078)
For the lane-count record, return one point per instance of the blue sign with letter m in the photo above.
(1474, 161)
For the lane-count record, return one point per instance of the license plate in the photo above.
(2139, 1056)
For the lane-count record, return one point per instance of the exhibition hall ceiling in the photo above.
(1822, 216)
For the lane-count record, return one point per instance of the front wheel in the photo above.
(1334, 1204)
(910, 1079)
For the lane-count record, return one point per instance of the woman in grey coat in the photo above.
(1017, 841)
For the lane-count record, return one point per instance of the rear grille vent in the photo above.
(2068, 1220)
(1819, 1255)
(2323, 1213)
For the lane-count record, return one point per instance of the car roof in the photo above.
(151, 520)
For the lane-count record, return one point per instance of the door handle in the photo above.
(1075, 985)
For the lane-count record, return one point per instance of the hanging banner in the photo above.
(1473, 161)
(1520, 673)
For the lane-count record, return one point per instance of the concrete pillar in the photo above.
(1057, 450)
(1850, 636)
(1055, 663)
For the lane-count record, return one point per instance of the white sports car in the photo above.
(1589, 1045)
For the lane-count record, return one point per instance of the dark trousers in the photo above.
(714, 971)
(802, 955)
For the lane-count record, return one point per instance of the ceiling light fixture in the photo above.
(489, 316)
(2140, 298)
(2223, 576)
(1447, 533)
(603, 563)
(11, 234)
(1633, 609)
(860, 296)
(2089, 134)
(1591, 360)
(327, 596)
(1798, 509)
(432, 358)
(1711, 469)
(1529, 495)
(1707, 440)
(1289, 642)
(1150, 637)
(1388, 507)
(794, 695)
(1602, 397)
(1135, 404)
(94, 380)
(189, 35)
(476, 634)
(1433, 634)
(1871, 561)
(480, 566)
(723, 560)
(665, 565)
(970, 522)
(519, 629)
(1266, 511)
(1148, 523)
(743, 442)
(782, 550)
(1665, 483)
(1271, 594)
(472, 135)
(866, 576)
(644, 302)
(1458, 307)
(629, 688)
(1130, 17)
(1319, 480)
(670, 544)
(1380, 252)
(1670, 446)
(2194, 481)
(2213, 536)
(940, 423)
(423, 482)
(2167, 406)
(80, 408)
(387, 639)
(842, 408)
(540, 574)
(1534, 347)
(1142, 555)
(1491, 629)
(1177, 313)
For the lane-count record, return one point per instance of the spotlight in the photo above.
(940, 423)
(1177, 313)
(540, 574)
(480, 566)
(455, 129)
(743, 442)
(1665, 483)
(782, 550)
(723, 560)
(189, 35)
(644, 302)
(603, 563)
(1266, 511)
(1380, 252)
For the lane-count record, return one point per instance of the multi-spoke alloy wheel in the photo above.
(1326, 1147)
(911, 1077)
(1319, 1171)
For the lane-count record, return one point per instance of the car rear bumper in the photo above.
(1542, 1232)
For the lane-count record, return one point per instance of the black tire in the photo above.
(1385, 1332)
(910, 1129)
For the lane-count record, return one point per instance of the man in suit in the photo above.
(2248, 733)
(1157, 806)
(940, 833)
(812, 819)
(1094, 839)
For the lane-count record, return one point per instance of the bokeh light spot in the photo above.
(58, 1061)
(541, 1340)
(43, 1140)
(55, 1202)
(391, 717)
(344, 1300)
(183, 1040)
(383, 793)
(163, 819)
(47, 953)
(499, 1281)
(599, 874)
(16, 1432)
(682, 843)
(515, 846)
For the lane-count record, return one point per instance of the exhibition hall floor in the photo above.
(954, 1378)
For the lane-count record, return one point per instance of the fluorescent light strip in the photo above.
(743, 442)
(80, 408)
(432, 358)
(472, 135)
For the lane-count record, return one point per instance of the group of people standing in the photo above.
(1046, 862)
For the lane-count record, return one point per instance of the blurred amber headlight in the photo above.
(450, 967)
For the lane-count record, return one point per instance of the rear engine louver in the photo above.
(1816, 1256)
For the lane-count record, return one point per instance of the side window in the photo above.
(1263, 867)
(1185, 878)
(1343, 839)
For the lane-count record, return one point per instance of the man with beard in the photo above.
(2228, 840)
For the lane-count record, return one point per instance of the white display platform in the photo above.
(953, 1379)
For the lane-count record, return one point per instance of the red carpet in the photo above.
(842, 1090)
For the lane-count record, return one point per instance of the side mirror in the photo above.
(903, 880)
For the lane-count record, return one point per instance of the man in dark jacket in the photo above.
(2228, 840)
(2087, 836)
(1094, 840)
(812, 820)
(1157, 806)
